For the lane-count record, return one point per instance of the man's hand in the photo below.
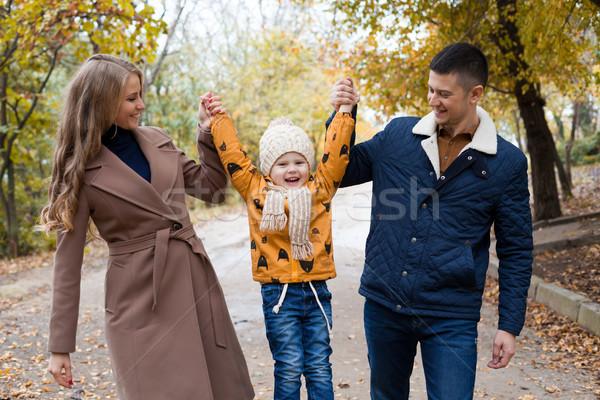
(343, 93)
(503, 350)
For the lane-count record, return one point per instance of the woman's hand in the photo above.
(209, 106)
(60, 368)
(343, 95)
(204, 117)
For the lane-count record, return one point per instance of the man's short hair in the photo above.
(465, 60)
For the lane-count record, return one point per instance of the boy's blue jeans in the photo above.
(448, 351)
(299, 339)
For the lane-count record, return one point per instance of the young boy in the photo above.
(289, 212)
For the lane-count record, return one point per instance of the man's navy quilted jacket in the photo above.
(427, 249)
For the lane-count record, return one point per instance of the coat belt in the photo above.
(160, 241)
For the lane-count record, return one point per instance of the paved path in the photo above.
(528, 376)
(565, 232)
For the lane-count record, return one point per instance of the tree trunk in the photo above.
(541, 148)
(561, 126)
(518, 125)
(565, 184)
(11, 212)
(7, 196)
(540, 144)
(596, 2)
(569, 146)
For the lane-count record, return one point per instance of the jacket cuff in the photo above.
(217, 119)
(202, 130)
(510, 327)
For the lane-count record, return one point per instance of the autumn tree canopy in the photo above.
(531, 46)
(38, 36)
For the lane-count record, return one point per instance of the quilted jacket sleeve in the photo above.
(514, 246)
(362, 156)
(362, 159)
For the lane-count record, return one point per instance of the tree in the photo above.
(540, 144)
(38, 35)
(280, 78)
(263, 68)
(574, 125)
(527, 50)
(171, 31)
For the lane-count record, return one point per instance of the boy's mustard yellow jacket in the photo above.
(271, 251)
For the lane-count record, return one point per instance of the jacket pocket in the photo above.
(113, 282)
(451, 265)
(322, 291)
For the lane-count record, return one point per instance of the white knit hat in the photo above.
(281, 137)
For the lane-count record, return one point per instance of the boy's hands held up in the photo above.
(210, 105)
(343, 95)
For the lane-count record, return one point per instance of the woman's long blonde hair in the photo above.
(92, 102)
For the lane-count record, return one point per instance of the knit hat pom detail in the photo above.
(280, 121)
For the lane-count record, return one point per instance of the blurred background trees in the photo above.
(42, 41)
(535, 48)
(269, 58)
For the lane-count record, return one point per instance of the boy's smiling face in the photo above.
(290, 171)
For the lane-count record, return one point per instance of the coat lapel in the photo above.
(163, 160)
(118, 179)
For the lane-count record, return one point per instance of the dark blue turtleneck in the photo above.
(123, 145)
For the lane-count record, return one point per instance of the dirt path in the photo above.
(23, 325)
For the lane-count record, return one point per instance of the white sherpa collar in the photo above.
(484, 138)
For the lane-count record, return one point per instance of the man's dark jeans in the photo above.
(448, 351)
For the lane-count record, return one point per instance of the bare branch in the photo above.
(165, 51)
(7, 7)
(497, 89)
(9, 51)
(41, 88)
(15, 109)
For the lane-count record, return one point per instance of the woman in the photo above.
(167, 326)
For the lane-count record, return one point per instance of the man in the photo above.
(439, 183)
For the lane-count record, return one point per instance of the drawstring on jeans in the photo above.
(278, 306)
(280, 302)
(322, 310)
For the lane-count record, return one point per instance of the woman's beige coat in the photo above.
(167, 326)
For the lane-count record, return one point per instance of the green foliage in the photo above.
(395, 40)
(260, 76)
(43, 40)
(279, 78)
(276, 69)
(587, 150)
(172, 100)
(269, 74)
